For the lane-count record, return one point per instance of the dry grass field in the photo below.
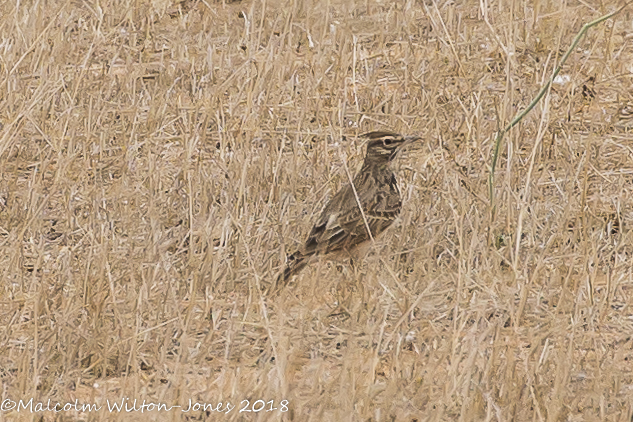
(159, 160)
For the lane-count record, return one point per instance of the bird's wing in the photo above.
(341, 223)
(333, 226)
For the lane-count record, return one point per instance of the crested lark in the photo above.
(341, 226)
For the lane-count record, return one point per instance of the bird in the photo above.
(342, 227)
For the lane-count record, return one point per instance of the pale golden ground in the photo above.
(158, 160)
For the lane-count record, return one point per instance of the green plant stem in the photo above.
(540, 95)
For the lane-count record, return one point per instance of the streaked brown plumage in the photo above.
(341, 226)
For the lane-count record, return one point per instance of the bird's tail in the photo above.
(296, 262)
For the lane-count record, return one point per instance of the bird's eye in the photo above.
(387, 141)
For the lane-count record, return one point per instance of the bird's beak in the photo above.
(407, 140)
(411, 139)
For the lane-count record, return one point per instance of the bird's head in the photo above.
(384, 146)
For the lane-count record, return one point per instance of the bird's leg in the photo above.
(343, 296)
(341, 308)
(352, 263)
(346, 286)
